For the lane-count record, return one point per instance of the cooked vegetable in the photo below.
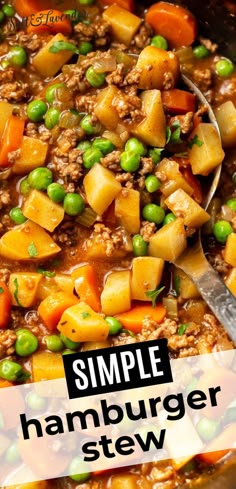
(159, 42)
(205, 151)
(132, 320)
(81, 323)
(40, 178)
(73, 204)
(104, 109)
(95, 79)
(146, 276)
(169, 242)
(33, 153)
(6, 110)
(86, 286)
(36, 110)
(226, 118)
(224, 67)
(152, 183)
(51, 21)
(47, 366)
(116, 295)
(11, 139)
(28, 7)
(17, 216)
(174, 178)
(130, 161)
(152, 130)
(101, 188)
(56, 192)
(127, 210)
(153, 213)
(5, 305)
(42, 210)
(12, 371)
(124, 24)
(181, 203)
(47, 63)
(26, 343)
(134, 145)
(154, 63)
(178, 101)
(17, 56)
(201, 51)
(114, 324)
(51, 309)
(54, 343)
(14, 244)
(173, 22)
(125, 4)
(230, 248)
(186, 288)
(27, 284)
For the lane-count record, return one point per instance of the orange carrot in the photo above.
(196, 120)
(5, 305)
(51, 309)
(178, 101)
(86, 286)
(133, 319)
(126, 4)
(5, 383)
(194, 183)
(226, 438)
(173, 22)
(11, 139)
(28, 7)
(53, 21)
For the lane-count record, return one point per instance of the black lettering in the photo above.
(104, 442)
(87, 449)
(153, 406)
(195, 397)
(25, 426)
(82, 418)
(56, 427)
(106, 410)
(151, 438)
(142, 414)
(123, 445)
(179, 408)
(213, 391)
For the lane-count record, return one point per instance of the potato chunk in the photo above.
(169, 242)
(81, 323)
(26, 284)
(182, 204)
(6, 110)
(226, 118)
(116, 295)
(230, 250)
(104, 109)
(47, 63)
(43, 211)
(173, 178)
(16, 243)
(152, 129)
(146, 275)
(156, 65)
(33, 153)
(127, 210)
(101, 188)
(206, 152)
(124, 24)
(187, 289)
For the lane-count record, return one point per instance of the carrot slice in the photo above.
(133, 319)
(25, 8)
(227, 438)
(11, 139)
(194, 183)
(86, 286)
(178, 101)
(126, 4)
(5, 305)
(53, 21)
(173, 22)
(51, 309)
(5, 383)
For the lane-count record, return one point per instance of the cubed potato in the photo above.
(16, 243)
(226, 118)
(206, 152)
(47, 366)
(182, 204)
(104, 109)
(25, 284)
(47, 63)
(187, 289)
(43, 211)
(116, 295)
(80, 323)
(32, 485)
(230, 250)
(33, 153)
(174, 178)
(146, 275)
(154, 64)
(51, 285)
(127, 210)
(231, 281)
(6, 110)
(123, 23)
(96, 249)
(127, 481)
(64, 282)
(169, 242)
(101, 188)
(152, 129)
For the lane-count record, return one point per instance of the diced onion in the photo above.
(69, 120)
(227, 213)
(171, 305)
(114, 138)
(104, 65)
(88, 218)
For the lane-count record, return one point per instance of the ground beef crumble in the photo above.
(7, 340)
(143, 36)
(112, 239)
(185, 121)
(5, 198)
(147, 230)
(15, 91)
(112, 161)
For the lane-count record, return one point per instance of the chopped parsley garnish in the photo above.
(32, 250)
(127, 331)
(16, 292)
(59, 46)
(46, 273)
(1, 290)
(182, 329)
(168, 134)
(175, 135)
(85, 315)
(195, 140)
(153, 294)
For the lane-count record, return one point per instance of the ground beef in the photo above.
(146, 166)
(44, 134)
(185, 121)
(117, 76)
(85, 103)
(4, 274)
(212, 47)
(161, 475)
(31, 130)
(7, 340)
(32, 42)
(112, 161)
(168, 80)
(218, 263)
(128, 106)
(126, 179)
(73, 77)
(5, 198)
(67, 160)
(7, 75)
(203, 78)
(147, 230)
(14, 91)
(112, 239)
(66, 234)
(123, 339)
(143, 36)
(98, 32)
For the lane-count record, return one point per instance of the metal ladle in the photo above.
(193, 261)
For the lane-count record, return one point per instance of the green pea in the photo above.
(24, 186)
(155, 154)
(169, 218)
(40, 178)
(12, 454)
(224, 67)
(201, 51)
(10, 370)
(68, 352)
(85, 48)
(91, 156)
(84, 145)
(78, 465)
(152, 183)
(52, 118)
(87, 125)
(153, 213)
(130, 161)
(134, 145)
(207, 429)
(86, 2)
(26, 343)
(36, 110)
(159, 42)
(2, 16)
(54, 343)
(221, 231)
(4, 63)
(74, 16)
(231, 203)
(56, 192)
(35, 402)
(140, 247)
(17, 56)
(51, 91)
(17, 216)
(114, 324)
(71, 345)
(8, 10)
(73, 204)
(104, 145)
(95, 79)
